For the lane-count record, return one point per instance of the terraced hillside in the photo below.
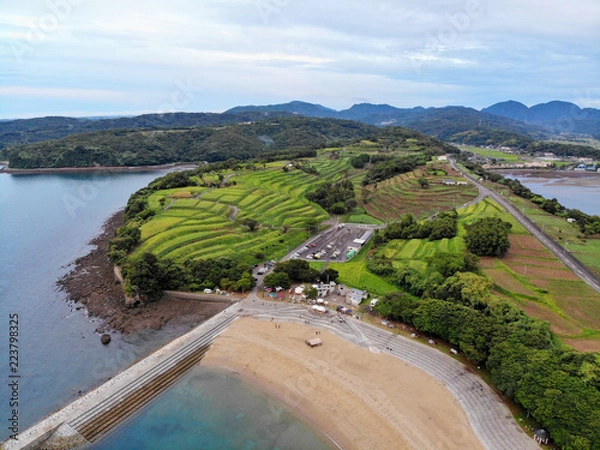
(403, 194)
(200, 222)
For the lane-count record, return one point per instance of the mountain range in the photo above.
(552, 117)
(507, 123)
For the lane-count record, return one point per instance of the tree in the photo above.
(488, 237)
(397, 305)
(423, 182)
(245, 283)
(297, 270)
(251, 224)
(467, 289)
(329, 275)
(277, 279)
(310, 292)
(144, 276)
(312, 226)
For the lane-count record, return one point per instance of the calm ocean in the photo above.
(572, 190)
(46, 222)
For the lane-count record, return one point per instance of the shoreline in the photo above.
(101, 169)
(348, 394)
(91, 284)
(545, 173)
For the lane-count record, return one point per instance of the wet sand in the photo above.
(359, 399)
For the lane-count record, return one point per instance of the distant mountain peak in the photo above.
(549, 114)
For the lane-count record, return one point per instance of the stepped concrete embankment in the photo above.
(93, 414)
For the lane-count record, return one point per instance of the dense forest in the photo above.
(151, 147)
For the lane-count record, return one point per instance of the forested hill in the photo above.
(29, 131)
(196, 144)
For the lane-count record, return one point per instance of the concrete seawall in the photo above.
(85, 419)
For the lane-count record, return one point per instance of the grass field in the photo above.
(354, 273)
(393, 198)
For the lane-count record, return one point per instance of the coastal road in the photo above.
(490, 418)
(561, 253)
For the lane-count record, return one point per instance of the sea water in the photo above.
(572, 190)
(46, 221)
(210, 410)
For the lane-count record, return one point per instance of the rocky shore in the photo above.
(91, 284)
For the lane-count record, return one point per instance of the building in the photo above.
(324, 289)
(363, 239)
(355, 296)
(449, 182)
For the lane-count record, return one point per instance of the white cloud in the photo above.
(128, 55)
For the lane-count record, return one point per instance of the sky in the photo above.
(109, 57)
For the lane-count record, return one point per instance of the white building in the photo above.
(355, 296)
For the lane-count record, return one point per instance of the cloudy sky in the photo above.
(99, 57)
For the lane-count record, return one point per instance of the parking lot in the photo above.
(336, 244)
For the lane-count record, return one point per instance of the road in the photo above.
(561, 253)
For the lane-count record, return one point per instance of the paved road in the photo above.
(491, 420)
(567, 258)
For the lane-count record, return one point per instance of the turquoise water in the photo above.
(211, 410)
(46, 222)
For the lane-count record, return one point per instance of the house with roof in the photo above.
(355, 296)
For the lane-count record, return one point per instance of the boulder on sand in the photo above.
(105, 338)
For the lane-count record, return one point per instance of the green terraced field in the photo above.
(201, 225)
(490, 153)
(401, 195)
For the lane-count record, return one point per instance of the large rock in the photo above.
(105, 338)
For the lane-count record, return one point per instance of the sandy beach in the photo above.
(360, 399)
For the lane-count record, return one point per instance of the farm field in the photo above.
(586, 249)
(529, 275)
(200, 222)
(393, 198)
(491, 153)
